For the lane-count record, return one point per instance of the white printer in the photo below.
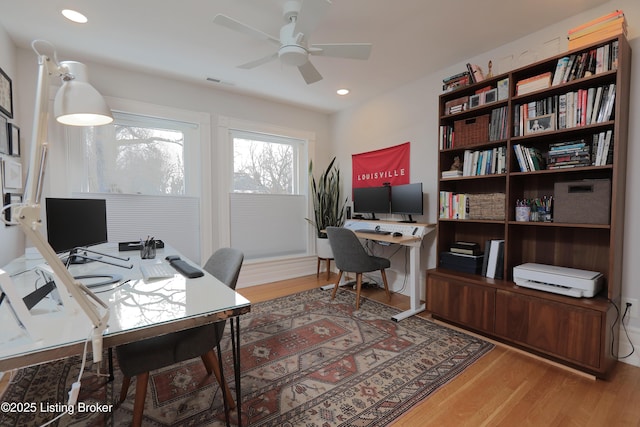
(560, 280)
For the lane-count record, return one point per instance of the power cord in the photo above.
(624, 315)
(74, 391)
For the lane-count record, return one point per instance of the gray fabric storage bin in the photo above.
(582, 202)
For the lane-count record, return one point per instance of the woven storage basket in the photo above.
(471, 131)
(486, 206)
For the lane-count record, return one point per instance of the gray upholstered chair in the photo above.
(140, 357)
(350, 256)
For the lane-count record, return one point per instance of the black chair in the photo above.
(140, 357)
(350, 256)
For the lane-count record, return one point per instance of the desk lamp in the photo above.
(77, 103)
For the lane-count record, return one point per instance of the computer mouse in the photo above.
(397, 234)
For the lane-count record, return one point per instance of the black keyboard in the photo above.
(371, 231)
(186, 269)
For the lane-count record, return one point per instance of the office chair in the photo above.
(350, 256)
(139, 358)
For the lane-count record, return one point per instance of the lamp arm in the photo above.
(27, 214)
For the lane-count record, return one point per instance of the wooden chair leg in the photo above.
(328, 268)
(318, 269)
(386, 285)
(141, 393)
(358, 288)
(335, 288)
(126, 381)
(211, 363)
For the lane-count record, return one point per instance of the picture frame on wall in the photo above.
(5, 147)
(12, 175)
(6, 94)
(14, 139)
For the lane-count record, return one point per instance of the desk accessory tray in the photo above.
(137, 245)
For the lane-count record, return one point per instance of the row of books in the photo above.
(534, 83)
(484, 162)
(456, 81)
(576, 108)
(603, 27)
(588, 63)
(467, 257)
(498, 124)
(569, 154)
(457, 105)
(454, 205)
(529, 158)
(602, 148)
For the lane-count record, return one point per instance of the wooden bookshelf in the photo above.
(578, 332)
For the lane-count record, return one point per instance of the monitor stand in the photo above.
(81, 256)
(408, 221)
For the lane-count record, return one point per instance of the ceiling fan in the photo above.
(302, 18)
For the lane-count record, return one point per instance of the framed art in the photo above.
(491, 96)
(474, 101)
(4, 136)
(6, 94)
(12, 175)
(540, 124)
(14, 139)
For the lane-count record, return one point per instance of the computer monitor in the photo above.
(407, 199)
(73, 223)
(371, 200)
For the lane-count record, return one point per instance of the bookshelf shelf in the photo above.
(538, 321)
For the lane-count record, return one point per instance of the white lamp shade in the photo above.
(77, 103)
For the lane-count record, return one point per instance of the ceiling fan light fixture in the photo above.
(293, 55)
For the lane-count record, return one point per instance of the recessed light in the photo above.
(74, 16)
(342, 92)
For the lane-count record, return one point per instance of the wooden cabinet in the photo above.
(575, 331)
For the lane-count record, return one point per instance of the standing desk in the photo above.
(138, 310)
(412, 235)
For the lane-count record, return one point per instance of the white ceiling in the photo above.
(178, 39)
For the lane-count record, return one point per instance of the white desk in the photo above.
(412, 235)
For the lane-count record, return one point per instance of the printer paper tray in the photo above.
(562, 290)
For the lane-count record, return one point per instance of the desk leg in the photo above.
(235, 346)
(110, 353)
(414, 283)
(222, 381)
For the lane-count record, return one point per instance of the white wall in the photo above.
(11, 238)
(409, 113)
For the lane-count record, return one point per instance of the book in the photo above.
(604, 18)
(469, 248)
(493, 266)
(561, 68)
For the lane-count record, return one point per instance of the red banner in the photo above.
(379, 167)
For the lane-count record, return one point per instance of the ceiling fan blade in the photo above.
(232, 24)
(311, 14)
(309, 73)
(260, 61)
(342, 50)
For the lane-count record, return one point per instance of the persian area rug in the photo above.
(306, 361)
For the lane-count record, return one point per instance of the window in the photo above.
(136, 155)
(268, 201)
(265, 164)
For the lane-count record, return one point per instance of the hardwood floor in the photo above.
(506, 387)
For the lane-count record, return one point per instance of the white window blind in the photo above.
(174, 220)
(265, 226)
